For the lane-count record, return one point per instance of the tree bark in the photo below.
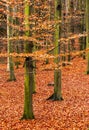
(28, 107)
(57, 95)
(87, 30)
(10, 65)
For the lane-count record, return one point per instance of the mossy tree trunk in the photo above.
(10, 65)
(57, 95)
(28, 107)
(87, 30)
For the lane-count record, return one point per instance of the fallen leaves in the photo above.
(70, 114)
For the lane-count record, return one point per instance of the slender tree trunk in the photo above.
(82, 26)
(10, 65)
(67, 5)
(16, 33)
(34, 49)
(87, 30)
(57, 95)
(28, 107)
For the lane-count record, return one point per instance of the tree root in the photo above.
(54, 97)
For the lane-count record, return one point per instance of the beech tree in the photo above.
(57, 95)
(28, 108)
(10, 65)
(43, 31)
(87, 30)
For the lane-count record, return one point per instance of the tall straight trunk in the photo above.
(87, 30)
(10, 65)
(81, 25)
(16, 33)
(57, 95)
(82, 40)
(28, 107)
(67, 5)
(34, 49)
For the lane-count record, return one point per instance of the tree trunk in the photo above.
(87, 30)
(82, 40)
(10, 65)
(57, 73)
(28, 107)
(34, 49)
(16, 33)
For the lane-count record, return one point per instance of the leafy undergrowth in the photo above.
(70, 114)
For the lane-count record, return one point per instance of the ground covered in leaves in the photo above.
(70, 114)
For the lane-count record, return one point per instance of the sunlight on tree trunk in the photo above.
(28, 107)
(10, 65)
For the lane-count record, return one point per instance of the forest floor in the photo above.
(70, 114)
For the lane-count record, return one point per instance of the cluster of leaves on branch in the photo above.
(42, 27)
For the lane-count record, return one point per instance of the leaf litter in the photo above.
(70, 114)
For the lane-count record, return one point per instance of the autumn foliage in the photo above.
(37, 29)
